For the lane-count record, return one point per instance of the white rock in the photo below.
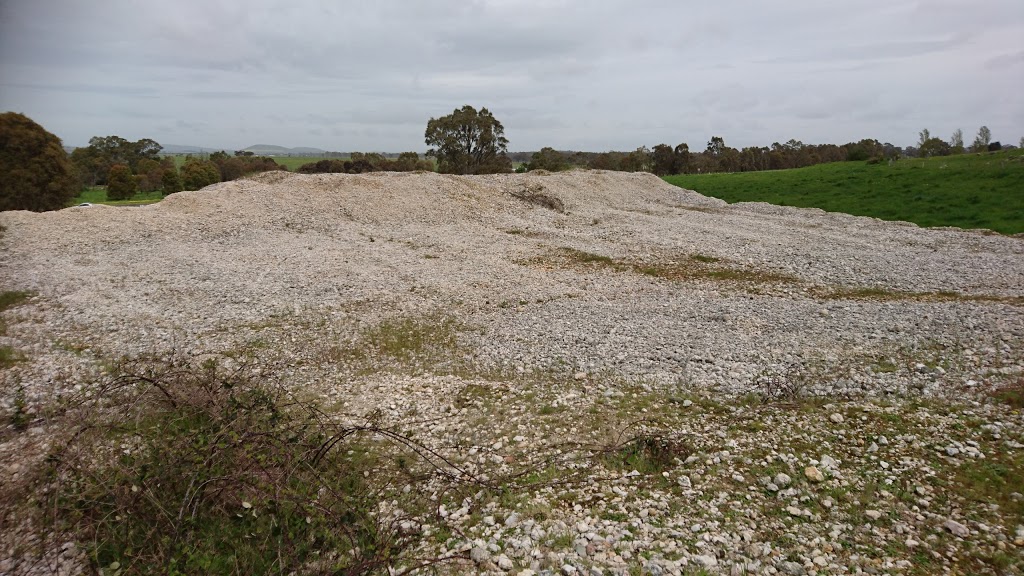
(873, 514)
(836, 418)
(956, 528)
(704, 560)
(479, 554)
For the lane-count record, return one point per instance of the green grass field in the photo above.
(968, 191)
(98, 195)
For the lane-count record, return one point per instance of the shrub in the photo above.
(180, 469)
(35, 173)
(121, 183)
(196, 174)
(171, 181)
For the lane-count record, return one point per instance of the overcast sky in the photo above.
(573, 74)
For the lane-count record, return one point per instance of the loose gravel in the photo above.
(771, 340)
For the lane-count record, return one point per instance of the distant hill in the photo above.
(281, 150)
(186, 149)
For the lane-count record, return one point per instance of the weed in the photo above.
(534, 194)
(401, 343)
(1010, 394)
(11, 298)
(199, 470)
(787, 384)
(19, 414)
(704, 259)
(548, 410)
(647, 454)
(587, 257)
(9, 357)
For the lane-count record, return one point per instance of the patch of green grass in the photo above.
(1011, 394)
(695, 268)
(11, 298)
(703, 258)
(647, 454)
(969, 191)
(887, 294)
(98, 195)
(990, 481)
(9, 357)
(587, 257)
(548, 410)
(420, 342)
(691, 267)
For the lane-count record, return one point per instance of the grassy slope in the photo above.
(968, 191)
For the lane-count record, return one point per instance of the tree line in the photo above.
(37, 174)
(360, 162)
(664, 160)
(126, 167)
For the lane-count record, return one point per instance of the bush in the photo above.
(857, 154)
(182, 469)
(196, 174)
(171, 181)
(121, 183)
(35, 173)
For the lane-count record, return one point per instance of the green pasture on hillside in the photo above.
(968, 191)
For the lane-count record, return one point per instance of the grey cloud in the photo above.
(1004, 61)
(577, 74)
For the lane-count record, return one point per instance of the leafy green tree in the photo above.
(682, 154)
(956, 142)
(149, 174)
(121, 183)
(196, 174)
(93, 162)
(638, 160)
(171, 181)
(716, 145)
(922, 137)
(35, 173)
(468, 142)
(934, 147)
(663, 160)
(982, 140)
(548, 159)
